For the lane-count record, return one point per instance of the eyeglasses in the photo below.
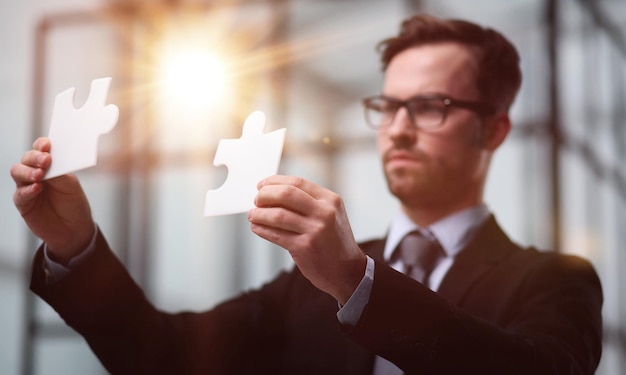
(425, 111)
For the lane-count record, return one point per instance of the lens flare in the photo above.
(194, 78)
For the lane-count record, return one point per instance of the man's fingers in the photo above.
(314, 190)
(279, 218)
(24, 195)
(29, 173)
(287, 196)
(42, 144)
(274, 235)
(36, 159)
(33, 164)
(25, 175)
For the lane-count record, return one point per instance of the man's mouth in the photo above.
(401, 156)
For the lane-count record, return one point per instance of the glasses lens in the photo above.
(379, 111)
(428, 113)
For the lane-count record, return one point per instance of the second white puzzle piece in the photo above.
(249, 159)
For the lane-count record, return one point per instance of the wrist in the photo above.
(352, 276)
(63, 253)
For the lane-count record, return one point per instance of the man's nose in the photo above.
(402, 125)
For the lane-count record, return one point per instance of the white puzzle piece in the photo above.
(74, 132)
(249, 159)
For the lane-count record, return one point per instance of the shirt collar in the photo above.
(453, 232)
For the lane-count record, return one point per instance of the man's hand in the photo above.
(55, 210)
(311, 223)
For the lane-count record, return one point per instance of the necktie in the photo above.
(419, 255)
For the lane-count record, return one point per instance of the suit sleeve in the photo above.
(554, 327)
(100, 301)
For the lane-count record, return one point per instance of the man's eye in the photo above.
(388, 107)
(427, 107)
(383, 106)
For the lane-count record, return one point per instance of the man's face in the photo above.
(440, 169)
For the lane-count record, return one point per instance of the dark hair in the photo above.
(499, 76)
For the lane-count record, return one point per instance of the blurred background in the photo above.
(187, 73)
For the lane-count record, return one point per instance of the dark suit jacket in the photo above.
(501, 309)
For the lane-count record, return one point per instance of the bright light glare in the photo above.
(194, 78)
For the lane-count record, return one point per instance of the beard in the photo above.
(424, 188)
(412, 186)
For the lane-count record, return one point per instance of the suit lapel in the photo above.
(489, 246)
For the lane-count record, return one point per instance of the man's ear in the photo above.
(496, 129)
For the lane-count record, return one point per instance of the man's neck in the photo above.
(424, 216)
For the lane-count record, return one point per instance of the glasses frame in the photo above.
(480, 108)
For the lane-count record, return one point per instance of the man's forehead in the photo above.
(442, 68)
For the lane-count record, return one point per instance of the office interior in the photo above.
(558, 182)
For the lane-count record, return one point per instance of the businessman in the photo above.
(445, 292)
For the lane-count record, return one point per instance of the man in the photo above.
(494, 307)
